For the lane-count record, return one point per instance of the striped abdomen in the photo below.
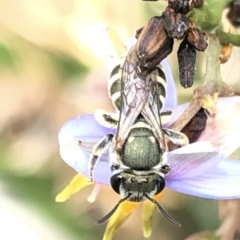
(115, 85)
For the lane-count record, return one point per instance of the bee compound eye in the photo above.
(115, 182)
(160, 182)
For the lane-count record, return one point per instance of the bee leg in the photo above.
(176, 137)
(106, 119)
(98, 150)
(165, 116)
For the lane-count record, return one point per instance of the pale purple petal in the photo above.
(78, 159)
(76, 139)
(224, 129)
(82, 128)
(221, 182)
(191, 160)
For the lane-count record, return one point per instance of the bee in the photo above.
(138, 150)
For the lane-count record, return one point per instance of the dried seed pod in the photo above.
(225, 53)
(175, 24)
(196, 126)
(197, 38)
(234, 13)
(153, 40)
(163, 52)
(196, 4)
(138, 32)
(186, 61)
(179, 6)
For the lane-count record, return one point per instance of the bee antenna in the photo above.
(165, 214)
(105, 218)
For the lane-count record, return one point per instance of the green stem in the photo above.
(208, 17)
(227, 38)
(212, 79)
(212, 64)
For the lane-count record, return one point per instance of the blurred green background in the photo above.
(51, 69)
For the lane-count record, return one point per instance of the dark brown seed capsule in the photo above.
(179, 6)
(196, 126)
(197, 38)
(234, 13)
(138, 32)
(163, 52)
(152, 40)
(186, 62)
(175, 24)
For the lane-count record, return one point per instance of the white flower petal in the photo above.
(171, 94)
(221, 182)
(192, 160)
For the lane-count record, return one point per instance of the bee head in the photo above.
(137, 188)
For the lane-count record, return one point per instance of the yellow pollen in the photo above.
(209, 102)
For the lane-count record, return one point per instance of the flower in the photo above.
(200, 169)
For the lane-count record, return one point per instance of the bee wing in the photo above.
(155, 102)
(134, 95)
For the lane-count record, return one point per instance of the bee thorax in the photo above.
(141, 150)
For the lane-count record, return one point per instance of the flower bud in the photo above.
(197, 38)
